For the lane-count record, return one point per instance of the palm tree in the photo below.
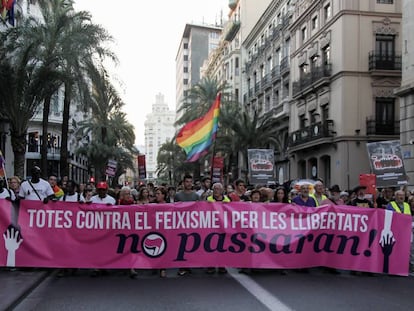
(199, 100)
(22, 87)
(249, 132)
(87, 39)
(112, 136)
(171, 165)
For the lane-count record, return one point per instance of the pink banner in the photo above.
(203, 234)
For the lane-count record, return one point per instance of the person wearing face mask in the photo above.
(360, 199)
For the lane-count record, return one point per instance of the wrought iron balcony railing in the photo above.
(312, 132)
(381, 61)
(312, 77)
(376, 127)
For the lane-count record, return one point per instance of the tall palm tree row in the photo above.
(112, 136)
(38, 57)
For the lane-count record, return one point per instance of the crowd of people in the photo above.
(313, 194)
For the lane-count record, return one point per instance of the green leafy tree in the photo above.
(112, 137)
(22, 84)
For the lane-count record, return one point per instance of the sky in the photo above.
(147, 35)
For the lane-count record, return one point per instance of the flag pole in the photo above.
(214, 146)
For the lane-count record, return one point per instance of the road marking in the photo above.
(260, 293)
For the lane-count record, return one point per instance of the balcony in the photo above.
(284, 65)
(233, 29)
(312, 78)
(310, 133)
(375, 127)
(380, 61)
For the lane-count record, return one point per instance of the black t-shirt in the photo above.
(382, 202)
(362, 203)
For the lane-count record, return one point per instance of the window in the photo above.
(385, 1)
(185, 69)
(384, 45)
(303, 70)
(325, 113)
(326, 55)
(313, 63)
(185, 58)
(314, 23)
(384, 110)
(185, 46)
(304, 37)
(385, 51)
(185, 82)
(327, 11)
(384, 115)
(302, 122)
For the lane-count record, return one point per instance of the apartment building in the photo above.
(159, 129)
(406, 91)
(197, 42)
(266, 75)
(345, 64)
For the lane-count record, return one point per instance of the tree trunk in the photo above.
(18, 142)
(45, 126)
(64, 165)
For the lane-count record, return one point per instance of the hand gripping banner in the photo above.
(204, 234)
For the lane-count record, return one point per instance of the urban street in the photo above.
(316, 289)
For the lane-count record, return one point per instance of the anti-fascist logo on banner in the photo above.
(154, 245)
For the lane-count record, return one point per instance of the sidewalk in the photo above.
(15, 285)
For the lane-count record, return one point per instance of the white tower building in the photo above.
(159, 128)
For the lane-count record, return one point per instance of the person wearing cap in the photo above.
(334, 197)
(102, 196)
(360, 199)
(36, 188)
(399, 205)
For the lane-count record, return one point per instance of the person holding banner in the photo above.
(281, 195)
(239, 193)
(72, 193)
(217, 196)
(36, 188)
(304, 199)
(6, 193)
(360, 199)
(102, 197)
(399, 205)
(186, 195)
(318, 195)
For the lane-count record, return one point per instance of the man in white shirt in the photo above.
(102, 197)
(72, 193)
(36, 188)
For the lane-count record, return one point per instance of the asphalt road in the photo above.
(262, 290)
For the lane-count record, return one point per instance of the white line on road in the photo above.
(260, 293)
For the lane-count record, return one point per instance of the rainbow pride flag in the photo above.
(197, 136)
